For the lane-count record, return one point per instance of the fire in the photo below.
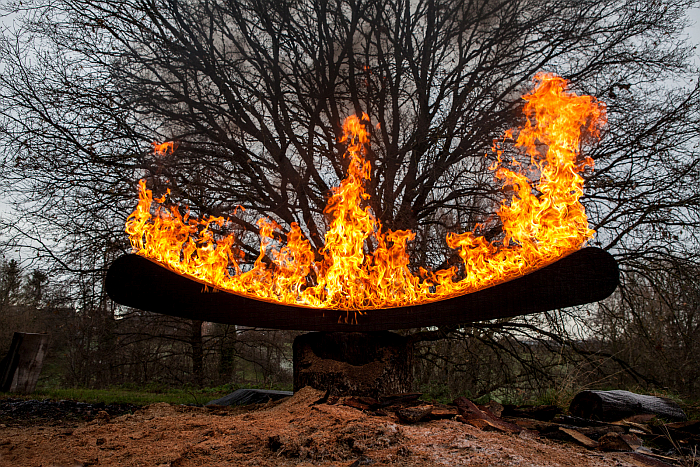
(164, 149)
(542, 221)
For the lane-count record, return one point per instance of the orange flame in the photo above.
(163, 149)
(541, 223)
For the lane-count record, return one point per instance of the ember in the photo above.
(542, 222)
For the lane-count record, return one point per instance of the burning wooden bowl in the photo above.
(588, 275)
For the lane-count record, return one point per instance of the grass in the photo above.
(153, 393)
(129, 395)
(136, 394)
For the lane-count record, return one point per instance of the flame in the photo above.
(164, 149)
(542, 221)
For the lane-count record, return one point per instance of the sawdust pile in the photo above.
(296, 431)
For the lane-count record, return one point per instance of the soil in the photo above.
(296, 431)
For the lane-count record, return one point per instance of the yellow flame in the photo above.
(541, 223)
(164, 149)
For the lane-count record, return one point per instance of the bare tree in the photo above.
(255, 92)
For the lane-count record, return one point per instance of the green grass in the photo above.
(128, 395)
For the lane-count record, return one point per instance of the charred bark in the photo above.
(585, 276)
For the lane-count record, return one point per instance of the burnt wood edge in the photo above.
(585, 276)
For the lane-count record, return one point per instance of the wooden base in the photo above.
(354, 363)
(587, 275)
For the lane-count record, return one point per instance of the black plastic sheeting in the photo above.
(250, 396)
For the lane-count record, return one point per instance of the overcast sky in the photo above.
(693, 33)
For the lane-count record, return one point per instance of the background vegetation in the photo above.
(254, 92)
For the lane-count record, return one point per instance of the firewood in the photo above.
(616, 405)
(392, 399)
(355, 403)
(596, 432)
(632, 440)
(579, 421)
(250, 396)
(692, 426)
(640, 427)
(354, 364)
(687, 433)
(493, 407)
(553, 431)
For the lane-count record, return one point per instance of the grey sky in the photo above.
(693, 31)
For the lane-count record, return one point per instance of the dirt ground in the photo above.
(296, 431)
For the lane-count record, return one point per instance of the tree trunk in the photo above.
(353, 363)
(197, 352)
(227, 356)
(616, 405)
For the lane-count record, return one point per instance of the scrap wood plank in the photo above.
(20, 369)
(580, 437)
(649, 460)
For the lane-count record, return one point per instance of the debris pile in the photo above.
(616, 421)
(316, 429)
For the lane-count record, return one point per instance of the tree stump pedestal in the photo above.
(369, 364)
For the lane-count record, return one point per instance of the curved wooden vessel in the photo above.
(588, 275)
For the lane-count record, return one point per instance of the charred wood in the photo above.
(588, 275)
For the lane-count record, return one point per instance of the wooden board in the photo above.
(20, 369)
(588, 275)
